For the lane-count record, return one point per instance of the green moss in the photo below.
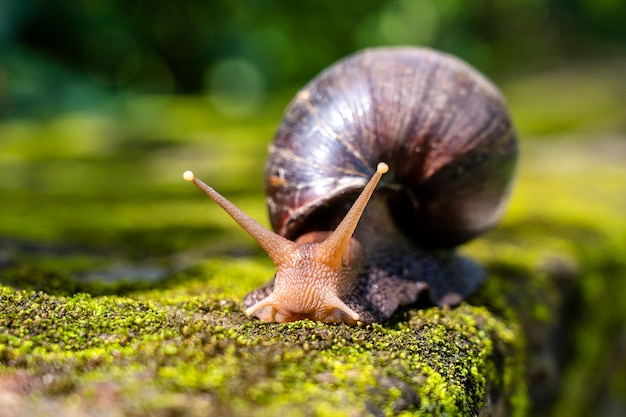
(445, 357)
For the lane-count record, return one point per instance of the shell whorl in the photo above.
(441, 126)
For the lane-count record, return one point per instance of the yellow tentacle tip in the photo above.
(188, 176)
(382, 167)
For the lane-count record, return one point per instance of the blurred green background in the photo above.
(69, 54)
(103, 105)
(109, 101)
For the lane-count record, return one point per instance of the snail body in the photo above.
(448, 144)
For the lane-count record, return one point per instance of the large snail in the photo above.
(441, 130)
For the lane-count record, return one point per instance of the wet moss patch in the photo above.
(443, 362)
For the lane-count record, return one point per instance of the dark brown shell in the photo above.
(441, 126)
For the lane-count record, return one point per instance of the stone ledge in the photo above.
(199, 355)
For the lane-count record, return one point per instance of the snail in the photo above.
(347, 250)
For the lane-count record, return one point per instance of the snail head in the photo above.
(312, 274)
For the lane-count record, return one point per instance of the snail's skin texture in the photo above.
(393, 272)
(450, 152)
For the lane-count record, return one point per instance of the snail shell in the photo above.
(442, 128)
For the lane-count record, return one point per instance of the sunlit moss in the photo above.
(81, 341)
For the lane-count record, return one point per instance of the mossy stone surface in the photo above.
(196, 354)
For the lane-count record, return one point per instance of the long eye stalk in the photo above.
(277, 247)
(333, 248)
